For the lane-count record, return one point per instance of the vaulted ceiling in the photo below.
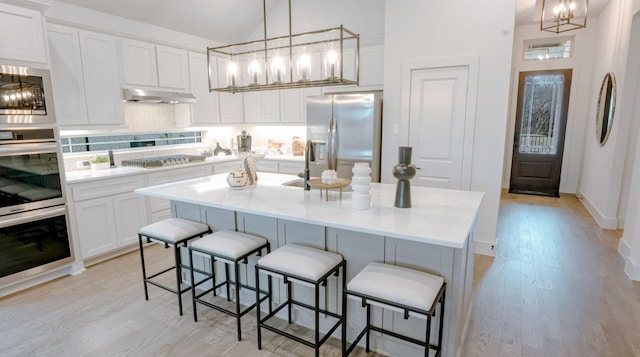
(232, 21)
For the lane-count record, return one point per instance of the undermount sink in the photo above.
(294, 183)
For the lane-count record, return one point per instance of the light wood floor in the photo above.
(555, 288)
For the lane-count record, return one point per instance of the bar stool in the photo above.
(231, 248)
(408, 291)
(307, 266)
(171, 232)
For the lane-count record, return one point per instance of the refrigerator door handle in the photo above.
(333, 145)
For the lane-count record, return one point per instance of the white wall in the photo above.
(417, 30)
(581, 88)
(603, 167)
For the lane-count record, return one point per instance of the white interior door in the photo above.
(437, 117)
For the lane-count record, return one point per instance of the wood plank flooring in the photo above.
(555, 288)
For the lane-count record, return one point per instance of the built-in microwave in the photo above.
(25, 96)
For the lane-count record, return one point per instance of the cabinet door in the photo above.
(293, 168)
(96, 226)
(66, 73)
(173, 69)
(206, 109)
(101, 78)
(291, 105)
(130, 212)
(225, 167)
(21, 35)
(252, 107)
(139, 63)
(231, 105)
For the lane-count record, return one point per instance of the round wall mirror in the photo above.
(606, 108)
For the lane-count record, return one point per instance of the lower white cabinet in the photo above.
(160, 208)
(223, 167)
(280, 166)
(107, 214)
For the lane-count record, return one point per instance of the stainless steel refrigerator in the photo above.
(344, 129)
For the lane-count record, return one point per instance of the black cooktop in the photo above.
(161, 161)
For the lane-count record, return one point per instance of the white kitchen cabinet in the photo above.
(160, 208)
(262, 107)
(107, 214)
(231, 105)
(372, 66)
(85, 76)
(222, 167)
(21, 34)
(206, 109)
(290, 167)
(291, 105)
(267, 166)
(148, 65)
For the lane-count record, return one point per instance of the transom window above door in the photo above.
(547, 48)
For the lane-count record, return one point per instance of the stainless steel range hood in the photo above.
(155, 96)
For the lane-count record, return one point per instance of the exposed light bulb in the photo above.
(255, 69)
(277, 68)
(232, 73)
(304, 66)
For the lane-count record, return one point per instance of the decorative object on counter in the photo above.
(112, 162)
(249, 165)
(244, 142)
(339, 184)
(100, 162)
(297, 146)
(361, 196)
(237, 177)
(274, 146)
(404, 171)
(220, 150)
(286, 61)
(329, 177)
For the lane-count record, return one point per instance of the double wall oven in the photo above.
(34, 237)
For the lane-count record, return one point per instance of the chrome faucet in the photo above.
(309, 156)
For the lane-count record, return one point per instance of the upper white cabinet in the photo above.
(86, 85)
(262, 107)
(148, 65)
(231, 105)
(21, 34)
(206, 109)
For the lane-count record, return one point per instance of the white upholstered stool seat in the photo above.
(228, 244)
(173, 229)
(231, 248)
(408, 291)
(306, 266)
(404, 286)
(302, 261)
(172, 232)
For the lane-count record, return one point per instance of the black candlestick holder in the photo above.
(404, 171)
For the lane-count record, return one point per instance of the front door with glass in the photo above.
(541, 119)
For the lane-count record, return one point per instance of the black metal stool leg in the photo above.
(193, 289)
(428, 339)
(237, 277)
(368, 324)
(226, 278)
(288, 298)
(441, 320)
(316, 318)
(258, 305)
(213, 274)
(176, 251)
(144, 270)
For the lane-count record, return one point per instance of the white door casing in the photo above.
(440, 107)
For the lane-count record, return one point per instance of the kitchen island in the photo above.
(436, 235)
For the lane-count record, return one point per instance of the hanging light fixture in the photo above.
(328, 57)
(563, 15)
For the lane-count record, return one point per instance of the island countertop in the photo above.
(437, 216)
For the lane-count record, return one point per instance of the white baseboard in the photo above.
(486, 248)
(35, 280)
(621, 221)
(631, 268)
(601, 220)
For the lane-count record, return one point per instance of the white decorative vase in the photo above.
(100, 165)
(361, 196)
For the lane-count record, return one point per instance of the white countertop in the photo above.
(437, 216)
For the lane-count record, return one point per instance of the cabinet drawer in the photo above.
(225, 167)
(267, 166)
(293, 168)
(103, 188)
(166, 176)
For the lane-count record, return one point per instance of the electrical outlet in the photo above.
(185, 277)
(82, 164)
(396, 129)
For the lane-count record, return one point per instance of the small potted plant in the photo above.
(100, 162)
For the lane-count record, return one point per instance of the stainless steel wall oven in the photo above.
(33, 223)
(34, 237)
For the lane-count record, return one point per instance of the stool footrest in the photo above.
(162, 286)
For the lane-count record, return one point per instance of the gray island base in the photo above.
(436, 235)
